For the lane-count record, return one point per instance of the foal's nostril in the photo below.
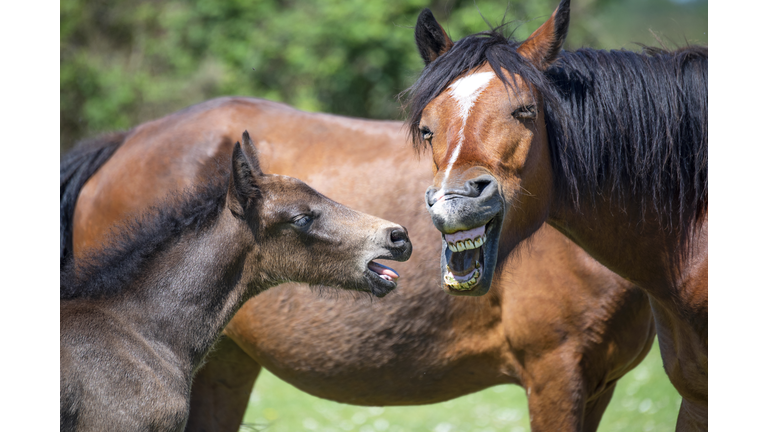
(398, 236)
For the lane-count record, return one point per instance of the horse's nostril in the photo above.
(430, 196)
(479, 185)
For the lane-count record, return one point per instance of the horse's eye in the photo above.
(426, 133)
(302, 221)
(525, 112)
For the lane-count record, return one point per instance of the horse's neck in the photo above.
(637, 248)
(189, 294)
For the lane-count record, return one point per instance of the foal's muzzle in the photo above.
(391, 243)
(396, 241)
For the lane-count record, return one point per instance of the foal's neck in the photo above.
(191, 291)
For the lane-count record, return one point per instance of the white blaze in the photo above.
(465, 92)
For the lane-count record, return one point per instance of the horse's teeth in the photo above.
(477, 264)
(473, 281)
(468, 244)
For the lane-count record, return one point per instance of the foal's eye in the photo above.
(525, 112)
(426, 133)
(302, 221)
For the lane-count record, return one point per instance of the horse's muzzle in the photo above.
(470, 205)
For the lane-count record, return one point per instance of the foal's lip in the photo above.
(384, 272)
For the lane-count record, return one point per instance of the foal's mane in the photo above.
(133, 246)
(633, 125)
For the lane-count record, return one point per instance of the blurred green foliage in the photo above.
(125, 62)
(644, 400)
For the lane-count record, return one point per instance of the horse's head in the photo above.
(296, 234)
(485, 126)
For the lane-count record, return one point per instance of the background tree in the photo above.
(124, 62)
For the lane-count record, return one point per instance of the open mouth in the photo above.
(464, 267)
(469, 258)
(384, 272)
(381, 279)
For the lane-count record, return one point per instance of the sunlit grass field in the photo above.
(644, 401)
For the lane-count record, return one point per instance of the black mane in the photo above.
(75, 169)
(625, 123)
(135, 244)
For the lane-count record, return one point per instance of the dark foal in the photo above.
(138, 318)
(609, 148)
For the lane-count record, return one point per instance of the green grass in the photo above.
(644, 401)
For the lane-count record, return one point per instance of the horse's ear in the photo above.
(431, 39)
(543, 46)
(244, 181)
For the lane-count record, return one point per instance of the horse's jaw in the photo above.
(471, 228)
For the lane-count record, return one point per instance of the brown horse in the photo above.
(558, 323)
(609, 148)
(137, 320)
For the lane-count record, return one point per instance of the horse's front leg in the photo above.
(221, 389)
(555, 389)
(595, 408)
(692, 417)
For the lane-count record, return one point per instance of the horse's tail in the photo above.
(75, 168)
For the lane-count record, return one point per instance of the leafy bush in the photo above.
(125, 62)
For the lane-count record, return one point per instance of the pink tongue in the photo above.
(465, 235)
(383, 270)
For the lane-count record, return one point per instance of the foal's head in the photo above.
(485, 127)
(296, 234)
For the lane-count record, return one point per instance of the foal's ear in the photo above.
(543, 46)
(249, 148)
(244, 181)
(431, 39)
